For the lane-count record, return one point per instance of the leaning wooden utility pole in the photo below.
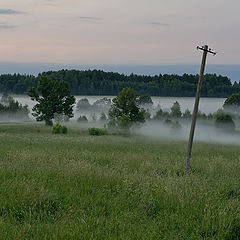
(195, 111)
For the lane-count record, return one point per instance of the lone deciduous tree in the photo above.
(55, 99)
(125, 110)
(232, 104)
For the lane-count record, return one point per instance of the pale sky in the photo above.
(149, 32)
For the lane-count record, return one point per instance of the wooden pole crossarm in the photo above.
(208, 50)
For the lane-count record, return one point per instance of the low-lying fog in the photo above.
(205, 130)
(207, 105)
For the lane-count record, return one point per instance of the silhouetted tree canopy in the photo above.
(97, 82)
(125, 110)
(233, 100)
(55, 99)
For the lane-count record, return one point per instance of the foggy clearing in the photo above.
(205, 130)
(204, 133)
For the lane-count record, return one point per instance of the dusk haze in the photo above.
(114, 32)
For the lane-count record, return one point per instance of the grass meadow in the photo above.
(77, 186)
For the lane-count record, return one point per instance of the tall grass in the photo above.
(77, 186)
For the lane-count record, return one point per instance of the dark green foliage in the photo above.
(9, 108)
(210, 116)
(83, 105)
(176, 110)
(187, 114)
(201, 115)
(56, 99)
(233, 100)
(16, 83)
(82, 119)
(64, 130)
(166, 115)
(125, 111)
(232, 104)
(224, 122)
(57, 129)
(14, 107)
(96, 82)
(162, 115)
(97, 131)
(147, 115)
(145, 100)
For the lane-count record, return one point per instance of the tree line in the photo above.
(11, 109)
(55, 102)
(97, 82)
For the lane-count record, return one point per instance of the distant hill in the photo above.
(97, 82)
(230, 70)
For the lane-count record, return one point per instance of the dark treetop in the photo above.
(96, 82)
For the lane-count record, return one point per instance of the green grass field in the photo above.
(77, 186)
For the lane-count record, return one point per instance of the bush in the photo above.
(57, 129)
(201, 115)
(97, 131)
(176, 110)
(187, 114)
(232, 104)
(158, 115)
(224, 122)
(210, 116)
(64, 130)
(13, 110)
(166, 115)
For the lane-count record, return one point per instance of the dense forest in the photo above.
(96, 82)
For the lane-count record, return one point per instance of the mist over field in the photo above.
(203, 132)
(207, 105)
